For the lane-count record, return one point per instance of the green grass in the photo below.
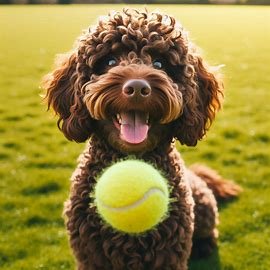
(36, 160)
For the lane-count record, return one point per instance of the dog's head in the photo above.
(135, 80)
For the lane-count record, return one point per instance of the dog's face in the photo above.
(136, 81)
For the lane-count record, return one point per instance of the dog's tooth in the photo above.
(119, 118)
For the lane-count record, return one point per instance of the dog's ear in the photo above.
(63, 93)
(203, 92)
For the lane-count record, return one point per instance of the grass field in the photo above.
(36, 160)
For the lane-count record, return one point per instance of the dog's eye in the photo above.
(111, 62)
(105, 63)
(157, 64)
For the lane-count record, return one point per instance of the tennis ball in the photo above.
(132, 196)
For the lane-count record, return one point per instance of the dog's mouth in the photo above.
(132, 125)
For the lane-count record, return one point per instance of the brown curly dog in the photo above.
(134, 83)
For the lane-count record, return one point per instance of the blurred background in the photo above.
(36, 161)
(249, 2)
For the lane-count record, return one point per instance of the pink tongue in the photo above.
(134, 128)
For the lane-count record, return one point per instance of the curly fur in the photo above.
(86, 92)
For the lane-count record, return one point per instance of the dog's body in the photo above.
(134, 83)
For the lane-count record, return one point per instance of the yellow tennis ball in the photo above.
(132, 196)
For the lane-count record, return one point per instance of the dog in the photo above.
(133, 84)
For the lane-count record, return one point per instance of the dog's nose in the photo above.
(136, 88)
